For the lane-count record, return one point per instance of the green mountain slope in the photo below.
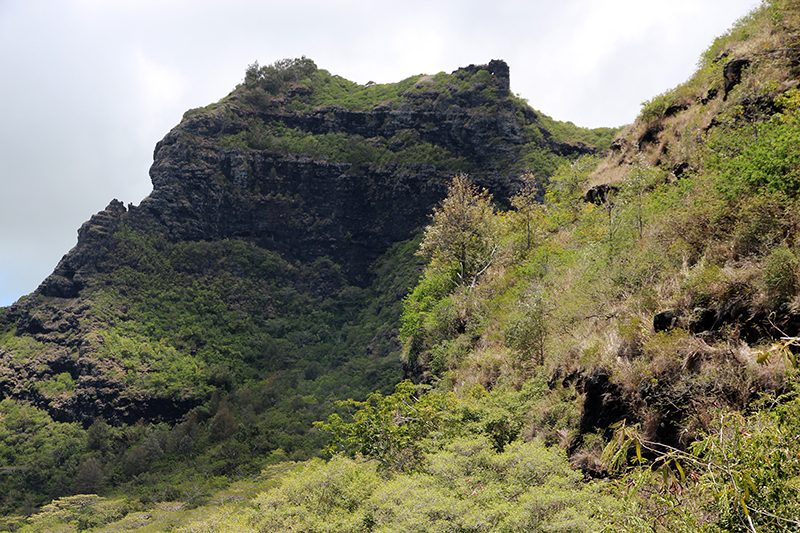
(594, 341)
(655, 292)
(186, 339)
(641, 322)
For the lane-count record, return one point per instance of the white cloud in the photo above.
(160, 90)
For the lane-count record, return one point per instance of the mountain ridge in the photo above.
(195, 192)
(269, 169)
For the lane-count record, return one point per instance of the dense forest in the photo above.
(550, 329)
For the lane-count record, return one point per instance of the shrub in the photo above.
(764, 157)
(780, 275)
(90, 477)
(763, 220)
(420, 312)
(526, 328)
(463, 235)
(388, 429)
(656, 107)
(565, 187)
(702, 283)
(319, 497)
(271, 78)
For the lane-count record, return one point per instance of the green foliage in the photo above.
(336, 91)
(75, 513)
(469, 475)
(38, 456)
(742, 477)
(405, 149)
(702, 282)
(271, 78)
(461, 481)
(428, 316)
(299, 87)
(565, 188)
(528, 217)
(387, 428)
(780, 275)
(263, 348)
(466, 487)
(22, 348)
(599, 138)
(763, 222)
(311, 88)
(759, 460)
(498, 415)
(526, 329)
(656, 107)
(319, 497)
(770, 18)
(640, 180)
(763, 157)
(248, 312)
(52, 388)
(462, 237)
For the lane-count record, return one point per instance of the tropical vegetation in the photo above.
(613, 349)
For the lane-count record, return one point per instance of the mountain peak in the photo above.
(496, 67)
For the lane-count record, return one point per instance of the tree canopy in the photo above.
(462, 237)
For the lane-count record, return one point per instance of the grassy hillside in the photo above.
(656, 292)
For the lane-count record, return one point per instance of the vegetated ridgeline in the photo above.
(194, 334)
(284, 165)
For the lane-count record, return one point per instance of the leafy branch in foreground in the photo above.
(748, 469)
(783, 349)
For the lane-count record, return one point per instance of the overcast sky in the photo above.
(87, 87)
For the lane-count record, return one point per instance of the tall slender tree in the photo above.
(462, 237)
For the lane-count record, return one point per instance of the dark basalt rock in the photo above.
(701, 320)
(678, 169)
(732, 72)
(712, 93)
(67, 280)
(650, 136)
(664, 321)
(496, 68)
(599, 194)
(674, 109)
(603, 404)
(306, 207)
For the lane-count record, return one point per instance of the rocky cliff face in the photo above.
(276, 168)
(344, 205)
